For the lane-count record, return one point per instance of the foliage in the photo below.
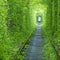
(18, 21)
(52, 27)
(15, 27)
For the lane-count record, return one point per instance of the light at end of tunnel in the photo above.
(39, 19)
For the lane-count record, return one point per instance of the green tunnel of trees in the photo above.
(18, 21)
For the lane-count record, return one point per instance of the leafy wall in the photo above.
(15, 26)
(52, 36)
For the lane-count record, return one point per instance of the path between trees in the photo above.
(35, 50)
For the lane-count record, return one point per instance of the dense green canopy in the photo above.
(18, 21)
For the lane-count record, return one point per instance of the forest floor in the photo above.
(35, 50)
